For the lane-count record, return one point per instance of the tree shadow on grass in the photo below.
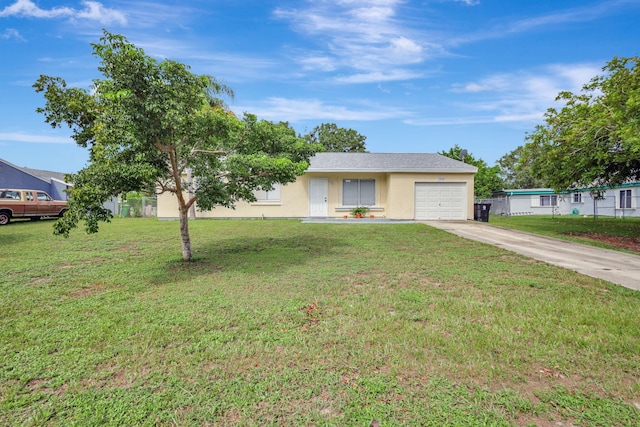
(252, 254)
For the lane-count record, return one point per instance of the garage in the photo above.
(440, 201)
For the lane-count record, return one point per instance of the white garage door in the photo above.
(441, 200)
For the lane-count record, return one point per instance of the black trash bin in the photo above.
(481, 211)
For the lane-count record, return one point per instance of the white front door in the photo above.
(318, 197)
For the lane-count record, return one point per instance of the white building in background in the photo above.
(622, 201)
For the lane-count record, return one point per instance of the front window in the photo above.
(577, 197)
(549, 200)
(358, 192)
(625, 199)
(268, 196)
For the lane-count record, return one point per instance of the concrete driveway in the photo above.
(613, 266)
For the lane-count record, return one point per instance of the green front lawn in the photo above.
(607, 232)
(282, 323)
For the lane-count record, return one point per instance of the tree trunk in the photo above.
(184, 234)
(183, 207)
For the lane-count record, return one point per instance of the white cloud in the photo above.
(525, 117)
(379, 76)
(494, 83)
(470, 87)
(294, 110)
(94, 11)
(97, 12)
(11, 33)
(518, 97)
(366, 36)
(29, 9)
(449, 121)
(370, 3)
(402, 49)
(317, 63)
(369, 38)
(33, 138)
(165, 15)
(372, 14)
(577, 75)
(556, 19)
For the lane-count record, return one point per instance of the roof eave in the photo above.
(372, 170)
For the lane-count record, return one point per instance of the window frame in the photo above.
(360, 199)
(552, 200)
(625, 199)
(43, 197)
(11, 195)
(271, 196)
(577, 198)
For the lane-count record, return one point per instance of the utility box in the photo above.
(481, 211)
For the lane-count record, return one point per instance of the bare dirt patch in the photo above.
(37, 281)
(87, 291)
(38, 385)
(621, 242)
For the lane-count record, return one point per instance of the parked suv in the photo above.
(32, 204)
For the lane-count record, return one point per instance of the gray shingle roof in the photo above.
(45, 175)
(387, 162)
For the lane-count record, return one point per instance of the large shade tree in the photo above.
(594, 139)
(154, 125)
(337, 139)
(517, 171)
(487, 179)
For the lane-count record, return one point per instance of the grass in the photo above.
(282, 323)
(575, 228)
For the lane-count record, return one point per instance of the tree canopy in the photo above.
(594, 139)
(487, 179)
(151, 125)
(517, 171)
(337, 139)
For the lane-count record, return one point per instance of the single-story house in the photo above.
(53, 183)
(420, 186)
(620, 201)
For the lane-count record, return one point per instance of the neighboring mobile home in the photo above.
(418, 186)
(621, 201)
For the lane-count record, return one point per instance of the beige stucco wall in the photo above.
(336, 209)
(293, 204)
(395, 194)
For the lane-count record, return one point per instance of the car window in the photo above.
(29, 196)
(10, 195)
(44, 197)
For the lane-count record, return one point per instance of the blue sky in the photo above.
(412, 76)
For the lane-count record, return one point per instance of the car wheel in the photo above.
(5, 218)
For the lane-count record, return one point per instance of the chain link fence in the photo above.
(138, 206)
(614, 206)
